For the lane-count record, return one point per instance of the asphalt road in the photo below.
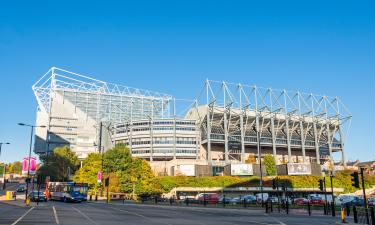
(102, 214)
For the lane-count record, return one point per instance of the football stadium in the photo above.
(226, 129)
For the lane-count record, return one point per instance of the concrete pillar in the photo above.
(302, 141)
(242, 139)
(273, 139)
(209, 157)
(288, 140)
(226, 153)
(316, 143)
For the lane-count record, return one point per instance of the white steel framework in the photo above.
(297, 122)
(101, 100)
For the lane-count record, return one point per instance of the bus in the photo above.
(67, 191)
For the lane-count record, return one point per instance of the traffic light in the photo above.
(321, 186)
(274, 184)
(355, 179)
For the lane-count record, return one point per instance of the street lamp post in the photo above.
(260, 162)
(1, 144)
(31, 142)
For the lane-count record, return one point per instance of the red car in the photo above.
(210, 198)
(301, 201)
(317, 201)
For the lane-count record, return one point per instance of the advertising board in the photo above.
(299, 168)
(241, 169)
(186, 170)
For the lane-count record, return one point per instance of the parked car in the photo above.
(262, 196)
(236, 200)
(317, 201)
(36, 196)
(300, 201)
(225, 200)
(250, 199)
(21, 188)
(273, 199)
(210, 198)
(356, 202)
(343, 199)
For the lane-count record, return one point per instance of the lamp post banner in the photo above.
(99, 177)
(25, 165)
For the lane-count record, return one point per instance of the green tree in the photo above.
(89, 170)
(251, 159)
(15, 167)
(126, 174)
(59, 165)
(269, 164)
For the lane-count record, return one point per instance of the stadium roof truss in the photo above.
(104, 100)
(278, 114)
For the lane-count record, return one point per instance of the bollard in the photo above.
(156, 200)
(187, 201)
(266, 207)
(342, 215)
(347, 209)
(244, 203)
(96, 197)
(271, 206)
(204, 201)
(372, 213)
(333, 209)
(355, 215)
(309, 208)
(287, 207)
(224, 201)
(170, 201)
(90, 197)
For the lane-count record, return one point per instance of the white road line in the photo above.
(55, 214)
(84, 215)
(19, 219)
(276, 220)
(136, 214)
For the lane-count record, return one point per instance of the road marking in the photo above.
(55, 214)
(19, 219)
(84, 215)
(276, 220)
(136, 214)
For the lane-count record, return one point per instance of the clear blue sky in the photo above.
(325, 47)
